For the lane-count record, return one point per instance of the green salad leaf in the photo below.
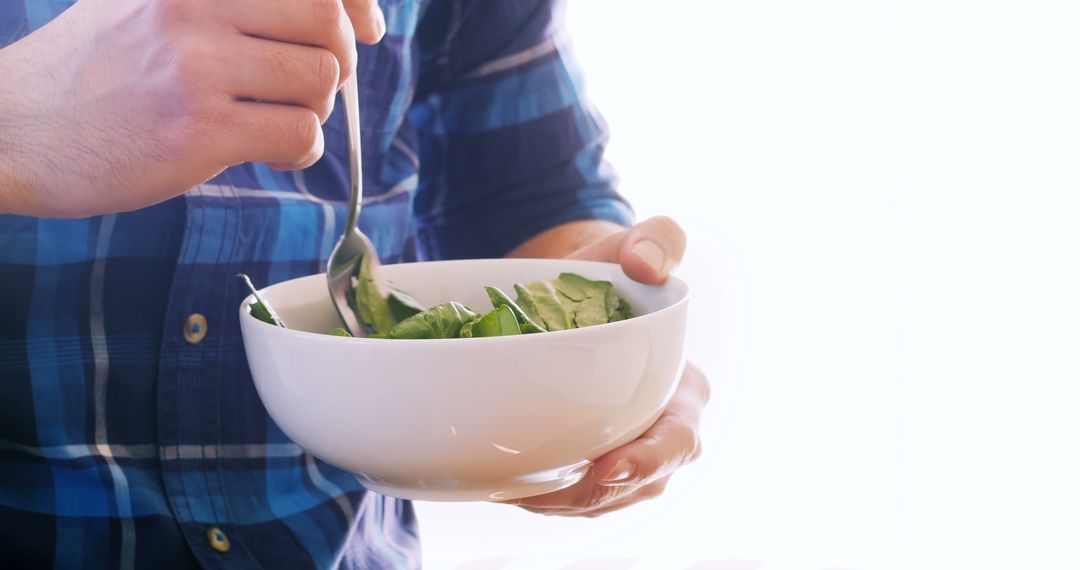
(553, 313)
(440, 321)
(526, 323)
(371, 307)
(566, 302)
(260, 309)
(572, 301)
(499, 322)
(402, 306)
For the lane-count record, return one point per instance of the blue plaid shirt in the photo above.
(125, 442)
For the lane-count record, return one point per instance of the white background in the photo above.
(883, 207)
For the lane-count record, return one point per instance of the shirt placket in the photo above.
(190, 405)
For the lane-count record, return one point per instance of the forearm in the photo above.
(17, 186)
(562, 240)
(27, 105)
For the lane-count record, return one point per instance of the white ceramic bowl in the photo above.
(467, 419)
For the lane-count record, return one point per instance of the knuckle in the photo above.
(305, 134)
(208, 121)
(325, 85)
(206, 117)
(171, 12)
(327, 73)
(687, 437)
(600, 495)
(195, 120)
(655, 458)
(668, 224)
(189, 65)
(674, 443)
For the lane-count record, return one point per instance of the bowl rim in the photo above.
(684, 298)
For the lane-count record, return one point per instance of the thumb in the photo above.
(648, 252)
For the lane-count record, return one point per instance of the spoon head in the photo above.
(341, 276)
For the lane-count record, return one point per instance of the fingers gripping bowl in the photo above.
(467, 419)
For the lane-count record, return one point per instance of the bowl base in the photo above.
(490, 491)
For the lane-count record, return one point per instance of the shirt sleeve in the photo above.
(509, 145)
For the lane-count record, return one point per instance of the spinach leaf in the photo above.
(372, 308)
(402, 306)
(611, 305)
(566, 302)
(572, 301)
(527, 303)
(587, 299)
(440, 321)
(467, 328)
(499, 322)
(553, 312)
(260, 309)
(575, 287)
(527, 324)
(340, 332)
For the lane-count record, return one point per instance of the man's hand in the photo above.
(641, 469)
(120, 104)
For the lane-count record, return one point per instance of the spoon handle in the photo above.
(351, 100)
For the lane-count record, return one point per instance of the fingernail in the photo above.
(652, 254)
(621, 473)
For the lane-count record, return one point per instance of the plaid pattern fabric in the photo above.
(122, 443)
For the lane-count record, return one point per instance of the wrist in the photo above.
(8, 182)
(16, 163)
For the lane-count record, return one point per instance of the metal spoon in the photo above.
(353, 245)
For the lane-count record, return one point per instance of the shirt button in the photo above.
(194, 328)
(218, 540)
